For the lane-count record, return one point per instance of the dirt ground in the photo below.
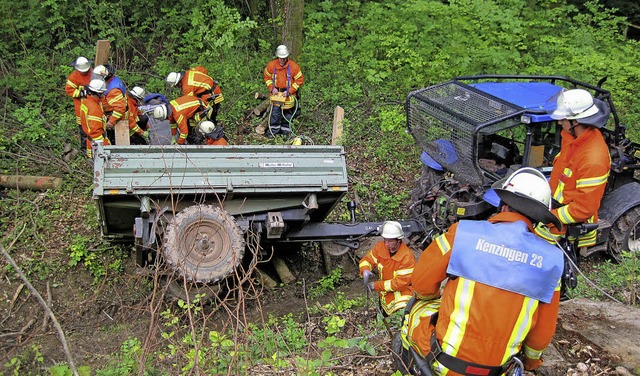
(593, 338)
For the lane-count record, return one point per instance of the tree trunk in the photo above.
(38, 183)
(293, 22)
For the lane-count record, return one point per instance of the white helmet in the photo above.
(528, 192)
(173, 78)
(282, 51)
(160, 112)
(574, 104)
(97, 85)
(392, 230)
(137, 92)
(82, 64)
(101, 70)
(206, 127)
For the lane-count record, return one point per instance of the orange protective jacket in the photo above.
(198, 83)
(287, 77)
(578, 180)
(478, 323)
(133, 116)
(115, 103)
(394, 285)
(92, 121)
(219, 142)
(182, 110)
(75, 84)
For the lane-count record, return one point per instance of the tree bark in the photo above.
(38, 183)
(293, 22)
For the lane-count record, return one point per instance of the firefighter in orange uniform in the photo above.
(284, 78)
(138, 133)
(394, 263)
(581, 169)
(75, 88)
(503, 289)
(197, 82)
(213, 134)
(184, 114)
(92, 115)
(115, 97)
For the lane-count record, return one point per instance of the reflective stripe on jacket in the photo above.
(477, 323)
(578, 180)
(198, 83)
(75, 84)
(184, 109)
(274, 73)
(395, 272)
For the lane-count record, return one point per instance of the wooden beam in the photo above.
(102, 52)
(338, 117)
(122, 133)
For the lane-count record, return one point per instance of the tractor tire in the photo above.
(625, 234)
(203, 244)
(176, 290)
(422, 186)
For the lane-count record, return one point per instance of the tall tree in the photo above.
(293, 22)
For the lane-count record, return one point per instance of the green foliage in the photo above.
(622, 280)
(326, 283)
(95, 260)
(26, 363)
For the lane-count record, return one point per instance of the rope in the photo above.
(584, 276)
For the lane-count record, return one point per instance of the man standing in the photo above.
(138, 133)
(75, 88)
(394, 263)
(581, 169)
(283, 78)
(92, 115)
(503, 288)
(115, 97)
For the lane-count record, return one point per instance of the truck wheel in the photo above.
(422, 186)
(176, 290)
(625, 234)
(203, 243)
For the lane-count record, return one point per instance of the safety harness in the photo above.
(458, 365)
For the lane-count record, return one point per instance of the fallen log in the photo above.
(38, 183)
(262, 107)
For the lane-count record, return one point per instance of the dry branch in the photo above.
(56, 324)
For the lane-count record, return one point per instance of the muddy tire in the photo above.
(203, 244)
(625, 234)
(421, 187)
(176, 290)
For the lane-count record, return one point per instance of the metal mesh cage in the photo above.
(445, 118)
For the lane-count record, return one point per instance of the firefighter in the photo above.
(581, 169)
(138, 133)
(115, 97)
(213, 134)
(502, 291)
(393, 261)
(283, 78)
(76, 89)
(92, 114)
(184, 113)
(197, 82)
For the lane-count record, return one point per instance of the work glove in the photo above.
(531, 364)
(173, 141)
(145, 135)
(286, 93)
(366, 275)
(109, 125)
(371, 286)
(82, 93)
(274, 91)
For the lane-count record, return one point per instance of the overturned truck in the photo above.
(200, 207)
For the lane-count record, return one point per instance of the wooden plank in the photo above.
(102, 52)
(338, 117)
(122, 132)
